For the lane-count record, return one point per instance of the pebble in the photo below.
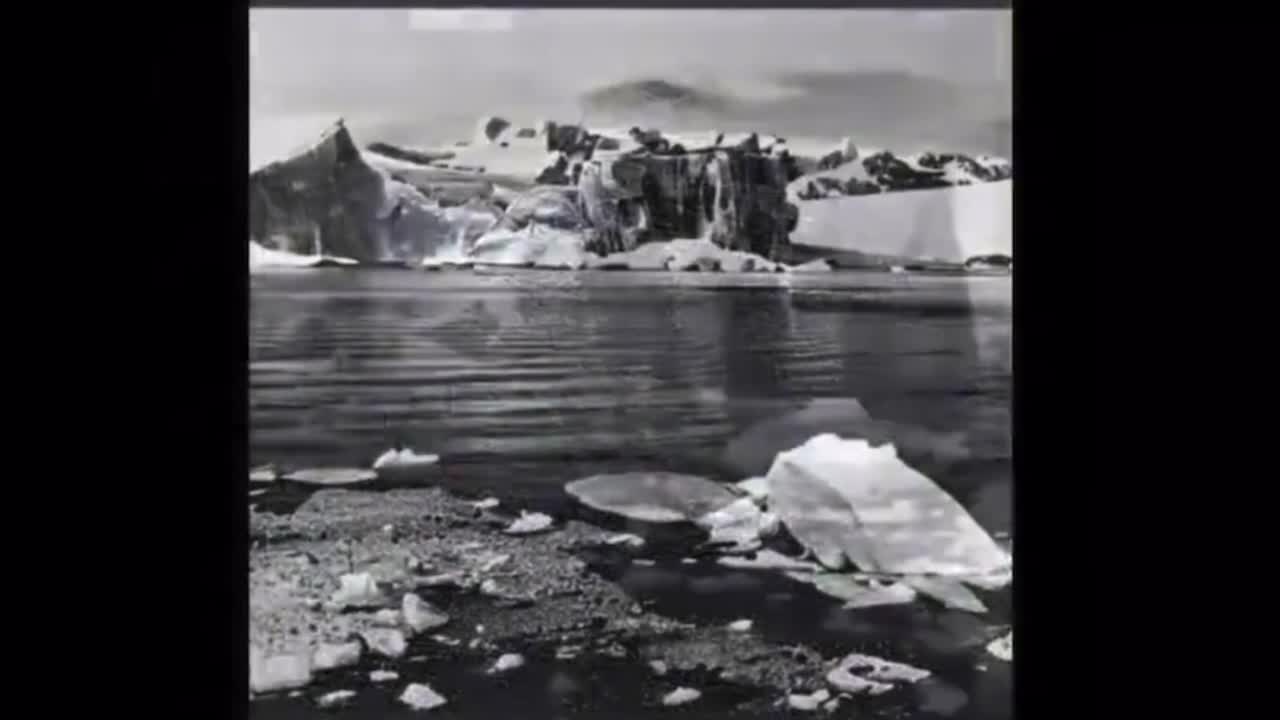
(635, 609)
(387, 618)
(509, 661)
(740, 625)
(280, 672)
(529, 523)
(845, 681)
(448, 579)
(383, 676)
(421, 615)
(335, 698)
(488, 503)
(330, 657)
(386, 642)
(882, 670)
(420, 696)
(659, 668)
(831, 705)
(494, 563)
(808, 703)
(680, 696)
(626, 539)
(358, 590)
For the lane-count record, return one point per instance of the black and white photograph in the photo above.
(630, 363)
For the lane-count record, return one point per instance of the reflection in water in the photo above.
(525, 381)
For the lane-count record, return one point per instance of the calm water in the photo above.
(525, 381)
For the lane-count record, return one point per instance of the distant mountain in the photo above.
(902, 110)
(644, 94)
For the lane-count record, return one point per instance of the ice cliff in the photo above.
(950, 224)
(564, 196)
(327, 199)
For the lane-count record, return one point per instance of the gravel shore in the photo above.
(329, 615)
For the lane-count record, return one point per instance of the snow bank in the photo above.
(950, 224)
(265, 259)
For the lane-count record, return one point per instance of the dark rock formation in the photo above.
(327, 194)
(979, 171)
(490, 128)
(413, 156)
(893, 173)
(557, 174)
(854, 186)
(737, 199)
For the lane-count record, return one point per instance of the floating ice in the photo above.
(420, 696)
(658, 497)
(403, 459)
(845, 498)
(1002, 647)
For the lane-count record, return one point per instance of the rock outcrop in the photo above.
(842, 173)
(736, 199)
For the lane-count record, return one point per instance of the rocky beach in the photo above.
(608, 600)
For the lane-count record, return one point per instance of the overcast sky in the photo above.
(396, 74)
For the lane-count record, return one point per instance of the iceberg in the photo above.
(950, 224)
(329, 196)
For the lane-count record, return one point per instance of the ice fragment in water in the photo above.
(510, 661)
(335, 698)
(680, 696)
(421, 697)
(657, 497)
(400, 459)
(838, 495)
(1002, 647)
(331, 477)
(529, 523)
